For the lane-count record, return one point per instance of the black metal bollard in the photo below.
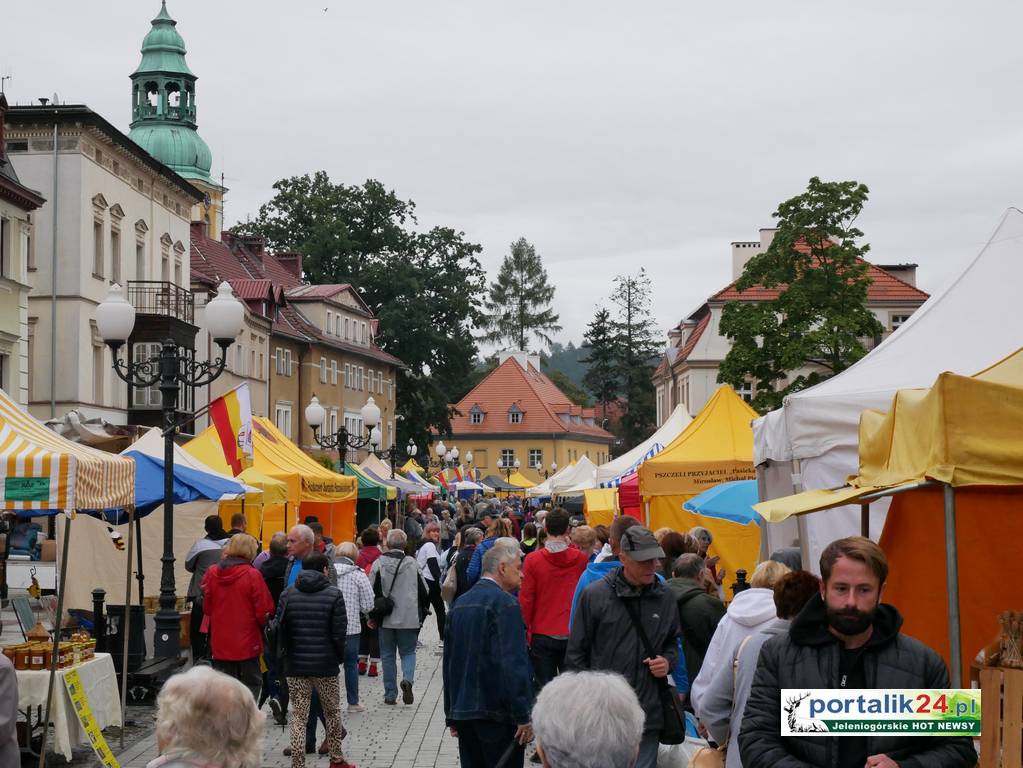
(740, 585)
(99, 627)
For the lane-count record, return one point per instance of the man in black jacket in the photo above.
(315, 625)
(603, 634)
(845, 638)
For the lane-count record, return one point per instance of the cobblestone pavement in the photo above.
(383, 736)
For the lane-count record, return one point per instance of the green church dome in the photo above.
(163, 102)
(179, 148)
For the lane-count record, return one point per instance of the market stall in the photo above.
(716, 447)
(629, 462)
(952, 461)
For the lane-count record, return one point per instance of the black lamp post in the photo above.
(171, 369)
(508, 467)
(343, 441)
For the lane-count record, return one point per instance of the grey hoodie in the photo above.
(724, 699)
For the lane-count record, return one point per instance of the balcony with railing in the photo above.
(162, 298)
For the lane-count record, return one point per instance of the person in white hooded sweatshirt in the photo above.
(750, 611)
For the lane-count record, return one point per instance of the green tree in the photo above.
(603, 372)
(638, 345)
(518, 306)
(422, 286)
(574, 393)
(819, 320)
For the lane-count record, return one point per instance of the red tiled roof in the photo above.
(308, 292)
(884, 286)
(694, 337)
(253, 289)
(536, 395)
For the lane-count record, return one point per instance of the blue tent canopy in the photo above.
(729, 501)
(189, 485)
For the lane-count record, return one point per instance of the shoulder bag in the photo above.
(274, 633)
(673, 728)
(383, 604)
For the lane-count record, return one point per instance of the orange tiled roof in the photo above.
(884, 286)
(536, 395)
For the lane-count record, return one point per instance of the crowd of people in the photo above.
(598, 645)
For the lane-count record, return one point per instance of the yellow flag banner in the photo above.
(80, 702)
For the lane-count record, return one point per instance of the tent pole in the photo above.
(127, 621)
(952, 576)
(865, 520)
(141, 576)
(55, 651)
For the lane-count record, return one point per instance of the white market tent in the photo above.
(574, 480)
(544, 489)
(812, 441)
(627, 463)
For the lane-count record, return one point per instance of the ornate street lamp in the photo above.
(171, 369)
(343, 440)
(508, 467)
(553, 470)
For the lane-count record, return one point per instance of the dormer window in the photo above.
(476, 414)
(515, 414)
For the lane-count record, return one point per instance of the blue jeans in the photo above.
(647, 757)
(352, 668)
(404, 642)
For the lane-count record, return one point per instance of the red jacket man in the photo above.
(549, 578)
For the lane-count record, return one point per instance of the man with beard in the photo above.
(845, 638)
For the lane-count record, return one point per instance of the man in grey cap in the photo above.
(603, 634)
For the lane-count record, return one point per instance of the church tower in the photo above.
(164, 116)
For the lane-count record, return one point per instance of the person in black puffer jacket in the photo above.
(845, 638)
(315, 626)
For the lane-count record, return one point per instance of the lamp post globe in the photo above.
(315, 413)
(468, 457)
(554, 466)
(375, 438)
(225, 316)
(517, 463)
(370, 414)
(115, 317)
(454, 453)
(411, 449)
(441, 449)
(447, 457)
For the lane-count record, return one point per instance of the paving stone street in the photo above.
(381, 737)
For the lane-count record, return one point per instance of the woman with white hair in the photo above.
(358, 596)
(206, 719)
(588, 720)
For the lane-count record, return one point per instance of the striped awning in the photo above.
(40, 470)
(655, 449)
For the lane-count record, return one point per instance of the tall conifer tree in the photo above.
(519, 304)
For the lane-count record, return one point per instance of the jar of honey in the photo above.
(38, 656)
(22, 656)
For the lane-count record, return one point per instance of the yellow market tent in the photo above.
(951, 458)
(600, 505)
(523, 482)
(412, 465)
(311, 488)
(716, 447)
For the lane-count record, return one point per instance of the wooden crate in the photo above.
(1001, 727)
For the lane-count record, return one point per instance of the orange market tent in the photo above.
(311, 488)
(952, 458)
(716, 447)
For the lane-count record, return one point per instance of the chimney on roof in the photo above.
(291, 261)
(744, 250)
(523, 358)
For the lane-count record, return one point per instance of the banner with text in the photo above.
(865, 712)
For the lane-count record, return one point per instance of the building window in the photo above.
(30, 249)
(278, 361)
(333, 422)
(323, 370)
(5, 232)
(177, 272)
(333, 373)
(348, 375)
(146, 397)
(507, 457)
(287, 362)
(115, 256)
(365, 338)
(514, 414)
(140, 260)
(259, 371)
(165, 267)
(97, 248)
(330, 322)
(252, 362)
(358, 379)
(898, 320)
(746, 391)
(282, 418)
(337, 326)
(475, 414)
(536, 458)
(346, 329)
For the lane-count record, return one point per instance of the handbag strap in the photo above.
(662, 682)
(395, 577)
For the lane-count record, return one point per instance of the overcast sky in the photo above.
(612, 135)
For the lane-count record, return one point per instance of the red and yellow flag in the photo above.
(231, 415)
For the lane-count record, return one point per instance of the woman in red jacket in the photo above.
(237, 605)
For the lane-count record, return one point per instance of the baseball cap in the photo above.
(639, 543)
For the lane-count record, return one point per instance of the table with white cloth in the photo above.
(99, 682)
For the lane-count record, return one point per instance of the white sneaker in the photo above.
(356, 708)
